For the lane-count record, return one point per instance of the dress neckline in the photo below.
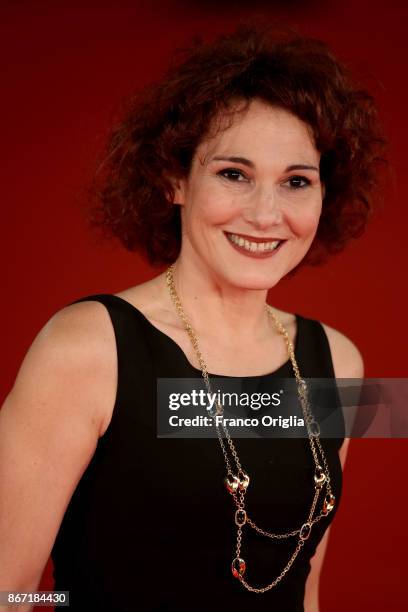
(179, 350)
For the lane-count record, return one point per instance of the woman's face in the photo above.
(257, 180)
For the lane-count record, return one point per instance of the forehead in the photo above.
(261, 128)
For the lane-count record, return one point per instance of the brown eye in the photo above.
(232, 174)
(298, 182)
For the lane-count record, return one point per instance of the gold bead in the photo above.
(243, 482)
(319, 477)
(232, 483)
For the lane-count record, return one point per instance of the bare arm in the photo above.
(347, 363)
(49, 428)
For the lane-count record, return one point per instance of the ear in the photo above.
(323, 190)
(180, 190)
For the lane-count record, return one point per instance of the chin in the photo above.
(253, 279)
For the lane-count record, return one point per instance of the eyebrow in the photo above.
(250, 164)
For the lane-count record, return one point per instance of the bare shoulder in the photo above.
(94, 328)
(77, 345)
(347, 358)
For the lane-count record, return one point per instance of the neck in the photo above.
(219, 308)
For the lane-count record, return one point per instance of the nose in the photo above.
(263, 211)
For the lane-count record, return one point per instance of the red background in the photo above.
(67, 65)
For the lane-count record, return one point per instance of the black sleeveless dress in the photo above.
(150, 526)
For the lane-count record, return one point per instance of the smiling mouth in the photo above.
(254, 245)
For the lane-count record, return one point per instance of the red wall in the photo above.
(67, 65)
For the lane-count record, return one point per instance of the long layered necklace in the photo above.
(237, 479)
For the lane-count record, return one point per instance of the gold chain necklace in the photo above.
(237, 480)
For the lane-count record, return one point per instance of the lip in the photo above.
(255, 239)
(254, 255)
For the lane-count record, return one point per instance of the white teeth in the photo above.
(260, 247)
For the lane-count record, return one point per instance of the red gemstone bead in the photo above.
(238, 567)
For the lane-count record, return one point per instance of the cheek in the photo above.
(209, 206)
(305, 222)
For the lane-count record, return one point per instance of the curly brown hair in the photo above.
(162, 125)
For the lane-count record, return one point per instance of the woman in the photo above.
(254, 155)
